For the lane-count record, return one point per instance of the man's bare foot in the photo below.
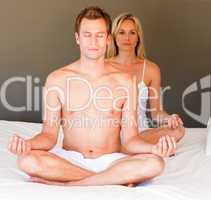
(71, 183)
(130, 185)
(45, 181)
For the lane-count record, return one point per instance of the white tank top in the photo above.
(142, 103)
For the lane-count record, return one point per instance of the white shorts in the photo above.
(94, 164)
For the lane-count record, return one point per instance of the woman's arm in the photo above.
(156, 108)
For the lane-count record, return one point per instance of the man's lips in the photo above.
(93, 49)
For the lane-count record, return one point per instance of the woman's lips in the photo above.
(127, 44)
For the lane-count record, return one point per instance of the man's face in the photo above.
(92, 38)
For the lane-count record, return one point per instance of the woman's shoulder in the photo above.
(151, 67)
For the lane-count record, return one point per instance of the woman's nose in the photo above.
(127, 36)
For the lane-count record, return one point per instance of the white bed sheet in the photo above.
(187, 176)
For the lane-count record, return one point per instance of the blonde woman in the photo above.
(126, 52)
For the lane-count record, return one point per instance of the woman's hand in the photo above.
(173, 121)
(165, 147)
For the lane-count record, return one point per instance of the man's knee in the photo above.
(152, 167)
(29, 163)
(155, 166)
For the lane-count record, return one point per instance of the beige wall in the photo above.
(37, 37)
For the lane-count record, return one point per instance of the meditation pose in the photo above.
(95, 104)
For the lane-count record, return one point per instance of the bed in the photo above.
(187, 175)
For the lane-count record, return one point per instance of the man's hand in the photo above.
(166, 146)
(19, 146)
(173, 121)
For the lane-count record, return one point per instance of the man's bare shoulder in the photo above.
(121, 76)
(114, 63)
(58, 76)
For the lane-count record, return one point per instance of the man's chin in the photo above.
(94, 57)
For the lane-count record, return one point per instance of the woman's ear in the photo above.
(77, 38)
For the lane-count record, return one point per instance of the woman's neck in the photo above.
(126, 57)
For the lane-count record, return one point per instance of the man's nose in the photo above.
(93, 40)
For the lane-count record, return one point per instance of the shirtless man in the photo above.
(90, 89)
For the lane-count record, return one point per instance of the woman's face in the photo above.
(127, 36)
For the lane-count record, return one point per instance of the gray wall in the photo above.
(37, 37)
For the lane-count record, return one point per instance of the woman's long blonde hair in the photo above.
(112, 49)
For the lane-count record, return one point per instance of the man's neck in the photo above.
(94, 67)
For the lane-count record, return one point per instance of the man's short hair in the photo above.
(93, 12)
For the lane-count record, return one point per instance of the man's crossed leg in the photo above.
(45, 167)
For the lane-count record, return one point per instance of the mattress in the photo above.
(187, 176)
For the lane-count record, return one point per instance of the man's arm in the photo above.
(51, 124)
(51, 116)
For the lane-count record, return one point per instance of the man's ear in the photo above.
(77, 38)
(109, 39)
